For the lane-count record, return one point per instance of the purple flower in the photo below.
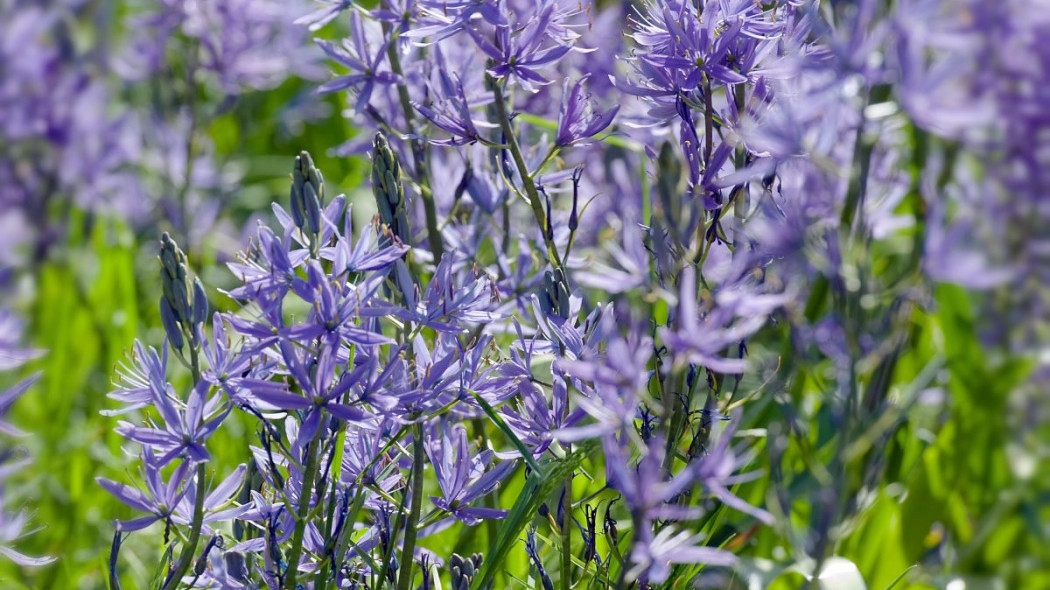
(324, 15)
(184, 429)
(172, 501)
(12, 355)
(536, 420)
(649, 492)
(335, 308)
(355, 55)
(320, 389)
(653, 557)
(716, 472)
(366, 254)
(142, 380)
(521, 55)
(12, 528)
(462, 478)
(577, 120)
(702, 338)
(449, 109)
(362, 463)
(448, 307)
(441, 19)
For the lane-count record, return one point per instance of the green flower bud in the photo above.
(387, 188)
(183, 306)
(306, 194)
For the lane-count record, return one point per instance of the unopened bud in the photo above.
(307, 194)
(200, 302)
(574, 218)
(555, 299)
(171, 326)
(387, 189)
(183, 305)
(548, 231)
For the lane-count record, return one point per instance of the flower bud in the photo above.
(171, 326)
(183, 305)
(612, 535)
(200, 302)
(307, 194)
(574, 218)
(387, 188)
(295, 197)
(668, 173)
(548, 231)
(555, 298)
(236, 568)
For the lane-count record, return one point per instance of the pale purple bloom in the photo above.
(702, 337)
(369, 253)
(356, 55)
(142, 379)
(12, 528)
(442, 19)
(172, 501)
(450, 301)
(464, 478)
(521, 56)
(328, 12)
(184, 428)
(654, 557)
(449, 110)
(537, 420)
(577, 119)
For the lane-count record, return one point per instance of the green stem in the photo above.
(186, 558)
(489, 500)
(190, 548)
(523, 171)
(566, 534)
(418, 153)
(305, 493)
(404, 577)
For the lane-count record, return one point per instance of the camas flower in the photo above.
(449, 109)
(577, 120)
(702, 339)
(12, 528)
(172, 501)
(654, 556)
(463, 478)
(441, 19)
(520, 56)
(184, 430)
(141, 380)
(355, 54)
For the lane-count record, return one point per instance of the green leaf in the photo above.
(539, 485)
(900, 577)
(491, 413)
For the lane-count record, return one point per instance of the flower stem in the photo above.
(305, 493)
(404, 577)
(186, 558)
(437, 247)
(566, 535)
(190, 548)
(523, 171)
